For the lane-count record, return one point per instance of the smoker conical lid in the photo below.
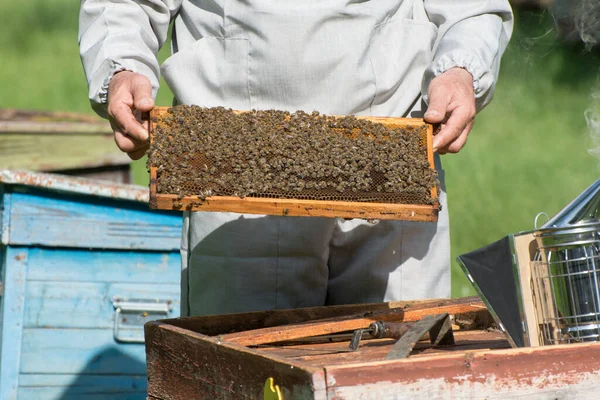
(490, 269)
(583, 210)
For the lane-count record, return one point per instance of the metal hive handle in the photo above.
(148, 306)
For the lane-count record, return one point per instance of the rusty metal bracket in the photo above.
(356, 337)
(439, 328)
(380, 330)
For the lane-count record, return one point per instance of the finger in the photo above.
(141, 89)
(126, 143)
(457, 122)
(460, 142)
(439, 98)
(136, 155)
(126, 121)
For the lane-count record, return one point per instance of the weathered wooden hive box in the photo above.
(61, 142)
(219, 357)
(84, 266)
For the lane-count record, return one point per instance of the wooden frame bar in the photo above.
(310, 208)
(340, 324)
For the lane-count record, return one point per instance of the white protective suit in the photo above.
(373, 57)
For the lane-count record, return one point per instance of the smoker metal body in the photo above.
(566, 271)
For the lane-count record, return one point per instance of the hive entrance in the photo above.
(201, 154)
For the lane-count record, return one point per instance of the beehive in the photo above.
(198, 358)
(277, 163)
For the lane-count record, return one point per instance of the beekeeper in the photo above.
(377, 57)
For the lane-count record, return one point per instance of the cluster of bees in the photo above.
(205, 152)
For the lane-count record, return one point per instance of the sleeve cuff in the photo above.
(99, 100)
(483, 78)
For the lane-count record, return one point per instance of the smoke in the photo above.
(592, 117)
(587, 22)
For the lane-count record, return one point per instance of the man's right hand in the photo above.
(130, 94)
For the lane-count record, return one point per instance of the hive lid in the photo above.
(72, 184)
(581, 211)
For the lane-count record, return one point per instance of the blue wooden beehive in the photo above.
(84, 265)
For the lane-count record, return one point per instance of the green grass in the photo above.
(526, 154)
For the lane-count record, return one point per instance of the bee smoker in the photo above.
(566, 271)
(543, 286)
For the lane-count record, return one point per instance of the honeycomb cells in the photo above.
(205, 152)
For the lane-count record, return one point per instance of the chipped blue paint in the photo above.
(78, 221)
(4, 217)
(12, 307)
(64, 257)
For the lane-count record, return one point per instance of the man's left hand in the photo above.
(452, 104)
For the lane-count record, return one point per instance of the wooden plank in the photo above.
(152, 201)
(84, 265)
(184, 365)
(75, 387)
(523, 250)
(291, 207)
(391, 121)
(2, 272)
(71, 185)
(44, 152)
(5, 204)
(55, 393)
(122, 383)
(343, 324)
(120, 174)
(432, 130)
(17, 114)
(545, 297)
(57, 220)
(89, 305)
(569, 371)
(14, 276)
(218, 324)
(300, 208)
(71, 128)
(79, 351)
(374, 350)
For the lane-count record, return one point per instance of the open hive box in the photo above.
(276, 163)
(306, 354)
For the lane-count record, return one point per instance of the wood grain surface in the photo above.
(349, 323)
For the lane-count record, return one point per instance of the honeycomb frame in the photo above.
(302, 207)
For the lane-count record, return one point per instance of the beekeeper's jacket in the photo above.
(370, 57)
